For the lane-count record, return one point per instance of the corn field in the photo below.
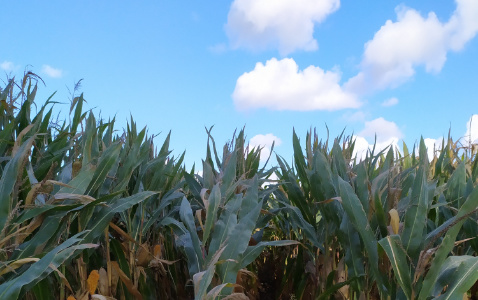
(89, 212)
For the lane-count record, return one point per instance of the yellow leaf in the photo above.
(394, 220)
(16, 264)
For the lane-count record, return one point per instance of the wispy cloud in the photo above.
(218, 48)
(399, 47)
(287, 25)
(52, 72)
(358, 116)
(280, 85)
(7, 66)
(390, 102)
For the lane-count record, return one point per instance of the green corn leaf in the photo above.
(459, 273)
(398, 259)
(448, 243)
(78, 101)
(225, 224)
(106, 162)
(333, 289)
(362, 186)
(338, 160)
(296, 219)
(238, 240)
(194, 186)
(186, 214)
(90, 141)
(165, 201)
(40, 269)
(416, 213)
(9, 178)
(229, 174)
(358, 218)
(300, 163)
(353, 250)
(252, 252)
(202, 280)
(101, 219)
(211, 216)
(295, 193)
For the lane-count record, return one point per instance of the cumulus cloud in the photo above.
(390, 102)
(433, 146)
(7, 66)
(280, 85)
(395, 51)
(264, 142)
(471, 134)
(382, 128)
(284, 24)
(386, 132)
(52, 72)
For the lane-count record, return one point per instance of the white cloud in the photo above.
(7, 66)
(387, 133)
(432, 145)
(280, 85)
(362, 146)
(471, 133)
(52, 72)
(395, 51)
(382, 128)
(390, 102)
(284, 24)
(265, 142)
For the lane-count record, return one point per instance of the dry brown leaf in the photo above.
(18, 141)
(62, 276)
(122, 233)
(84, 199)
(59, 183)
(423, 260)
(197, 280)
(330, 200)
(34, 224)
(35, 189)
(199, 217)
(16, 234)
(103, 283)
(127, 282)
(204, 196)
(236, 296)
(114, 276)
(143, 256)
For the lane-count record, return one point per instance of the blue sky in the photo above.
(400, 69)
